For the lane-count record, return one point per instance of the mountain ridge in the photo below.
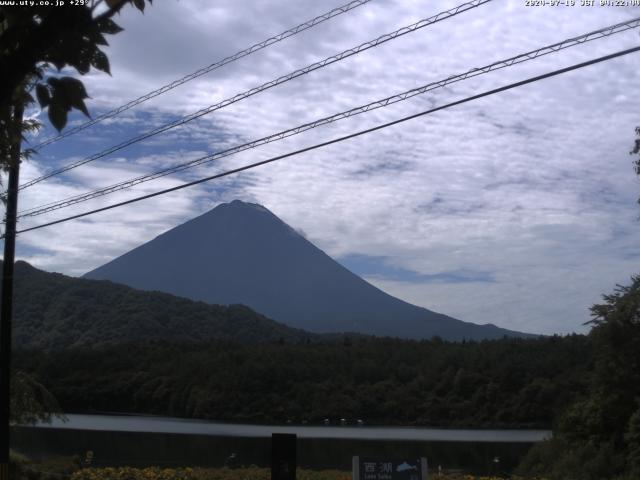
(55, 312)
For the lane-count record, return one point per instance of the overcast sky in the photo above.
(518, 209)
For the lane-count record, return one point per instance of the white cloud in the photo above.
(534, 186)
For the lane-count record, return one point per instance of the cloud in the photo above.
(383, 269)
(517, 209)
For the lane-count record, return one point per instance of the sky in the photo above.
(518, 209)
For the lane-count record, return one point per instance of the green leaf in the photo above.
(73, 86)
(98, 38)
(74, 94)
(82, 62)
(44, 97)
(66, 93)
(57, 115)
(101, 62)
(109, 27)
(79, 104)
(139, 4)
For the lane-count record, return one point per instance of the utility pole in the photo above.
(7, 286)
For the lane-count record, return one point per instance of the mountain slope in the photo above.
(53, 311)
(242, 253)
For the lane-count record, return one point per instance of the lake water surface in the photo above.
(139, 440)
(200, 427)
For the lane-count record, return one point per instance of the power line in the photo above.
(340, 139)
(278, 81)
(603, 32)
(214, 66)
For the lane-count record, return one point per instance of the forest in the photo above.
(499, 383)
(54, 311)
(98, 346)
(585, 387)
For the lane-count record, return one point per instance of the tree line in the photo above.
(498, 383)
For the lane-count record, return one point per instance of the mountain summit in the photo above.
(242, 253)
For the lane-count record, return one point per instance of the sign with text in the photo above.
(370, 468)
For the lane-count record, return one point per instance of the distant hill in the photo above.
(241, 253)
(53, 311)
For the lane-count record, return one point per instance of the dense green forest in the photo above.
(98, 346)
(508, 383)
(53, 311)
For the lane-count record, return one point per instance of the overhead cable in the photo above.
(278, 81)
(603, 32)
(231, 58)
(337, 140)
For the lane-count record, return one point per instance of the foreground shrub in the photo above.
(251, 473)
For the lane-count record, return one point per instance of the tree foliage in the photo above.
(37, 42)
(30, 401)
(508, 383)
(636, 151)
(600, 433)
(53, 311)
(109, 347)
(35, 38)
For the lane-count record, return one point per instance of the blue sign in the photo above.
(369, 468)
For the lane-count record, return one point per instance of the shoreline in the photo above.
(169, 425)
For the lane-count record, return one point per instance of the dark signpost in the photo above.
(283, 456)
(369, 468)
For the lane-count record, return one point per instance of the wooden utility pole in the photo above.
(7, 287)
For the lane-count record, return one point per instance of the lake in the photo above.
(143, 441)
